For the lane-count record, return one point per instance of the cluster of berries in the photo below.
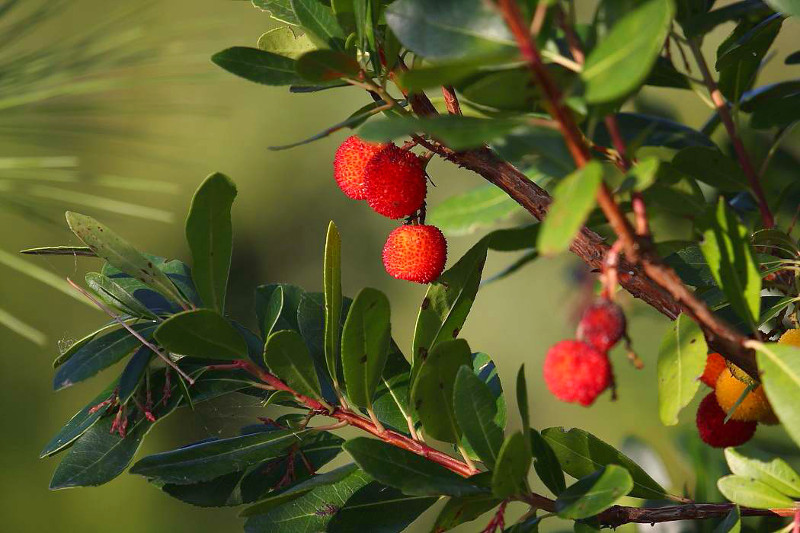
(394, 184)
(729, 383)
(579, 370)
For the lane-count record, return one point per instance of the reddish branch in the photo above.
(741, 153)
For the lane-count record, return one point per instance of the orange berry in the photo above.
(715, 364)
(395, 183)
(791, 337)
(349, 163)
(415, 253)
(754, 408)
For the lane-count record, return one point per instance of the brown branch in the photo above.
(619, 514)
(767, 218)
(451, 100)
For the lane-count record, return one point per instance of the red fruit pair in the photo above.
(393, 183)
(390, 179)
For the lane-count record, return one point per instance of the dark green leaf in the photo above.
(478, 208)
(447, 303)
(681, 361)
(789, 8)
(133, 373)
(459, 511)
(320, 22)
(66, 354)
(731, 524)
(546, 463)
(288, 358)
(120, 254)
(513, 239)
(776, 473)
(332, 281)
(475, 411)
(432, 391)
(622, 61)
(289, 313)
(455, 131)
(664, 74)
(510, 474)
(648, 130)
(272, 312)
(117, 296)
(450, 29)
(705, 22)
(407, 471)
(573, 200)
(365, 345)
(84, 251)
(727, 250)
(210, 459)
(691, 266)
(78, 424)
(711, 166)
(739, 56)
(752, 493)
(385, 509)
(391, 399)
(326, 65)
(201, 333)
(594, 493)
(257, 65)
(100, 353)
(210, 236)
(778, 112)
(780, 375)
(580, 453)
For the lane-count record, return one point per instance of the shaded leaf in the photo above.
(326, 65)
(320, 23)
(385, 509)
(475, 412)
(594, 493)
(459, 511)
(332, 281)
(546, 463)
(133, 373)
(116, 296)
(510, 475)
(464, 213)
(257, 66)
(712, 167)
(288, 358)
(201, 333)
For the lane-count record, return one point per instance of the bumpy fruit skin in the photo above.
(395, 182)
(791, 337)
(576, 372)
(602, 325)
(415, 253)
(715, 364)
(714, 431)
(754, 408)
(349, 164)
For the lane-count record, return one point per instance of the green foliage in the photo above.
(594, 493)
(201, 333)
(681, 361)
(287, 356)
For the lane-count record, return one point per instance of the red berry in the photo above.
(351, 159)
(713, 429)
(395, 182)
(602, 325)
(576, 372)
(415, 253)
(715, 364)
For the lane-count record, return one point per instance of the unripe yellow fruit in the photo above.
(791, 337)
(755, 407)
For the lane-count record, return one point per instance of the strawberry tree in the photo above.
(697, 223)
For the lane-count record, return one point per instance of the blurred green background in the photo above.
(196, 120)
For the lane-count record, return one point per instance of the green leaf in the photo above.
(74, 251)
(622, 61)
(365, 345)
(210, 236)
(210, 459)
(510, 474)
(292, 492)
(272, 312)
(664, 74)
(257, 66)
(288, 358)
(450, 29)
(100, 353)
(648, 130)
(117, 296)
(740, 55)
(385, 509)
(475, 412)
(133, 373)
(459, 511)
(711, 166)
(201, 333)
(320, 23)
(332, 281)
(456, 131)
(776, 473)
(407, 471)
(752, 493)
(513, 239)
(464, 213)
(280, 10)
(780, 374)
(120, 254)
(732, 522)
(77, 345)
(681, 361)
(326, 65)
(391, 399)
(288, 318)
(78, 424)
(447, 303)
(546, 464)
(312, 511)
(594, 493)
(727, 250)
(573, 200)
(703, 23)
(285, 42)
(580, 453)
(789, 8)
(522, 403)
(432, 391)
(99, 456)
